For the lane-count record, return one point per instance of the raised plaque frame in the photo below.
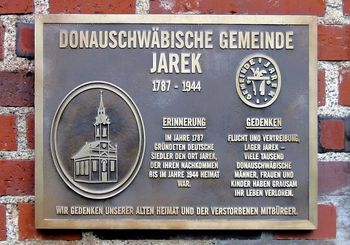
(178, 224)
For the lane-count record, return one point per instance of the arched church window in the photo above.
(77, 168)
(86, 168)
(104, 165)
(112, 166)
(94, 165)
(82, 168)
(104, 132)
(97, 132)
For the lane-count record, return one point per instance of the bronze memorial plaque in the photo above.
(176, 122)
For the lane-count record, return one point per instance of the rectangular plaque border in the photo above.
(210, 224)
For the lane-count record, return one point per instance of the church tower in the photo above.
(102, 122)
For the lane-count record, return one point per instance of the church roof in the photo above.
(101, 117)
(90, 149)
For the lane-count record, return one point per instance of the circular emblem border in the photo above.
(141, 133)
(246, 59)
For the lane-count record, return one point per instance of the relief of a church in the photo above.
(97, 161)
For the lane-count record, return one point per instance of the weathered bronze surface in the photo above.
(176, 122)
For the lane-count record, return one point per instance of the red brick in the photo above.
(17, 89)
(2, 222)
(333, 42)
(326, 228)
(344, 87)
(347, 135)
(332, 135)
(278, 7)
(25, 40)
(346, 7)
(8, 133)
(16, 177)
(333, 176)
(27, 231)
(321, 93)
(30, 131)
(92, 6)
(16, 6)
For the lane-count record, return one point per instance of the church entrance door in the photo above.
(104, 176)
(104, 170)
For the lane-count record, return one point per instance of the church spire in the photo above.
(101, 112)
(101, 108)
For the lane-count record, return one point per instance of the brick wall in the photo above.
(17, 117)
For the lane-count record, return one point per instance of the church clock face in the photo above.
(101, 152)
